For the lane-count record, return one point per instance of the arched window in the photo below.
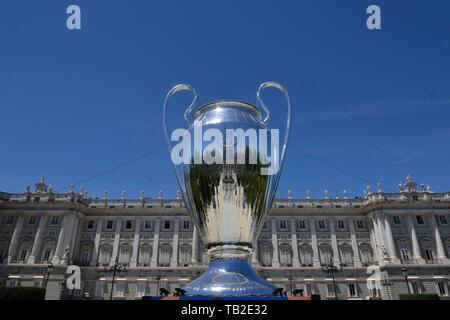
(145, 253)
(85, 254)
(265, 255)
(164, 255)
(366, 254)
(125, 254)
(306, 255)
(185, 255)
(48, 250)
(105, 254)
(427, 250)
(346, 253)
(404, 249)
(326, 254)
(24, 250)
(285, 255)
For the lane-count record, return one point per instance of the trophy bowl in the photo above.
(228, 164)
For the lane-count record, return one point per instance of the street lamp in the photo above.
(49, 270)
(116, 268)
(387, 283)
(331, 268)
(158, 279)
(405, 274)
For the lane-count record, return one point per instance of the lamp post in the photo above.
(332, 269)
(116, 268)
(387, 283)
(158, 279)
(49, 270)
(405, 274)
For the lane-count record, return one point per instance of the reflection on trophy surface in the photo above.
(228, 179)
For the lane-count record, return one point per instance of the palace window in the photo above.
(265, 255)
(147, 225)
(140, 289)
(301, 224)
(105, 255)
(420, 220)
(429, 255)
(441, 287)
(341, 224)
(167, 225)
(306, 256)
(32, 220)
(326, 255)
(321, 224)
(90, 224)
(120, 289)
(360, 224)
(185, 256)
(10, 220)
(264, 227)
(128, 224)
(186, 224)
(404, 254)
(285, 256)
(125, 252)
(346, 255)
(99, 288)
(164, 256)
(330, 290)
(283, 225)
(396, 220)
(415, 287)
(366, 254)
(109, 224)
(55, 220)
(144, 255)
(351, 290)
(443, 219)
(46, 255)
(23, 255)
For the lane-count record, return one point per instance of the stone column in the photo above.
(98, 235)
(390, 241)
(154, 261)
(14, 244)
(38, 239)
(174, 258)
(115, 253)
(134, 255)
(414, 242)
(255, 260)
(334, 245)
(194, 257)
(295, 260)
(61, 240)
(438, 240)
(378, 241)
(275, 259)
(355, 248)
(314, 245)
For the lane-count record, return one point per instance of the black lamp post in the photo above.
(158, 279)
(116, 268)
(49, 270)
(405, 274)
(387, 283)
(332, 269)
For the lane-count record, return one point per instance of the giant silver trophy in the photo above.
(228, 200)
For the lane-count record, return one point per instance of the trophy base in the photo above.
(229, 277)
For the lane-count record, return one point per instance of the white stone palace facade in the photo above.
(157, 242)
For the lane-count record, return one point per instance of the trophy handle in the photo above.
(260, 103)
(174, 90)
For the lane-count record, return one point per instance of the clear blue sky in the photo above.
(76, 103)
